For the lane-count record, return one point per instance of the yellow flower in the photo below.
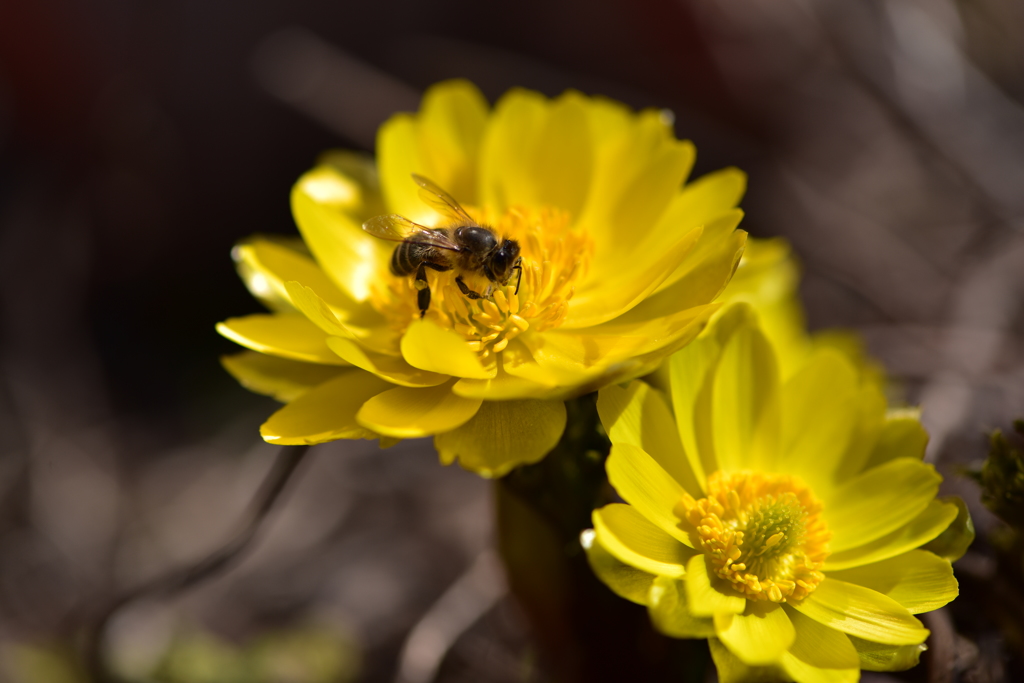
(783, 519)
(621, 263)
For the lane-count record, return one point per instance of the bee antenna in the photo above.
(518, 266)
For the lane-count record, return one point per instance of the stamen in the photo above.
(763, 533)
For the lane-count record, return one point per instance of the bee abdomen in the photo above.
(403, 260)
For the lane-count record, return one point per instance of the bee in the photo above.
(463, 245)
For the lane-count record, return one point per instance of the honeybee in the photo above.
(464, 245)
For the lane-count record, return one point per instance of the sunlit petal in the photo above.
(283, 335)
(880, 501)
(639, 415)
(862, 612)
(645, 485)
(931, 522)
(667, 605)
(502, 435)
(759, 636)
(325, 413)
(283, 379)
(627, 535)
(429, 347)
(707, 596)
(918, 580)
(625, 581)
(407, 412)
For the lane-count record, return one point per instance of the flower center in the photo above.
(554, 256)
(763, 533)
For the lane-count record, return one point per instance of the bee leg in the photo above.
(466, 290)
(423, 296)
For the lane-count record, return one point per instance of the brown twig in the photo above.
(182, 579)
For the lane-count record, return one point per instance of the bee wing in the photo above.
(444, 203)
(400, 229)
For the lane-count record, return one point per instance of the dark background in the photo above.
(139, 141)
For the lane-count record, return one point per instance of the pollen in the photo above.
(763, 533)
(555, 255)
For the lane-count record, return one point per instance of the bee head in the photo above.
(505, 260)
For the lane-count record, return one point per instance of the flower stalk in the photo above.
(584, 631)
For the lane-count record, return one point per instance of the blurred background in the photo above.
(139, 141)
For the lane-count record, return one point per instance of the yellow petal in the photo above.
(561, 160)
(380, 337)
(901, 437)
(392, 368)
(638, 414)
(583, 358)
(283, 379)
(271, 264)
(705, 199)
(407, 413)
(880, 657)
(690, 381)
(505, 387)
(610, 292)
(879, 501)
(798, 670)
(631, 538)
(745, 384)
(636, 174)
(537, 152)
(550, 361)
(759, 636)
(284, 335)
(952, 543)
(608, 120)
(819, 653)
(868, 409)
(625, 581)
(709, 597)
(930, 523)
(351, 257)
(398, 158)
(650, 362)
(441, 142)
(818, 412)
(645, 485)
(503, 435)
(427, 346)
(646, 195)
(361, 169)
(918, 580)
(703, 281)
(670, 613)
(258, 283)
(862, 612)
(709, 202)
(767, 277)
(450, 128)
(325, 413)
(316, 309)
(506, 173)
(731, 669)
(626, 215)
